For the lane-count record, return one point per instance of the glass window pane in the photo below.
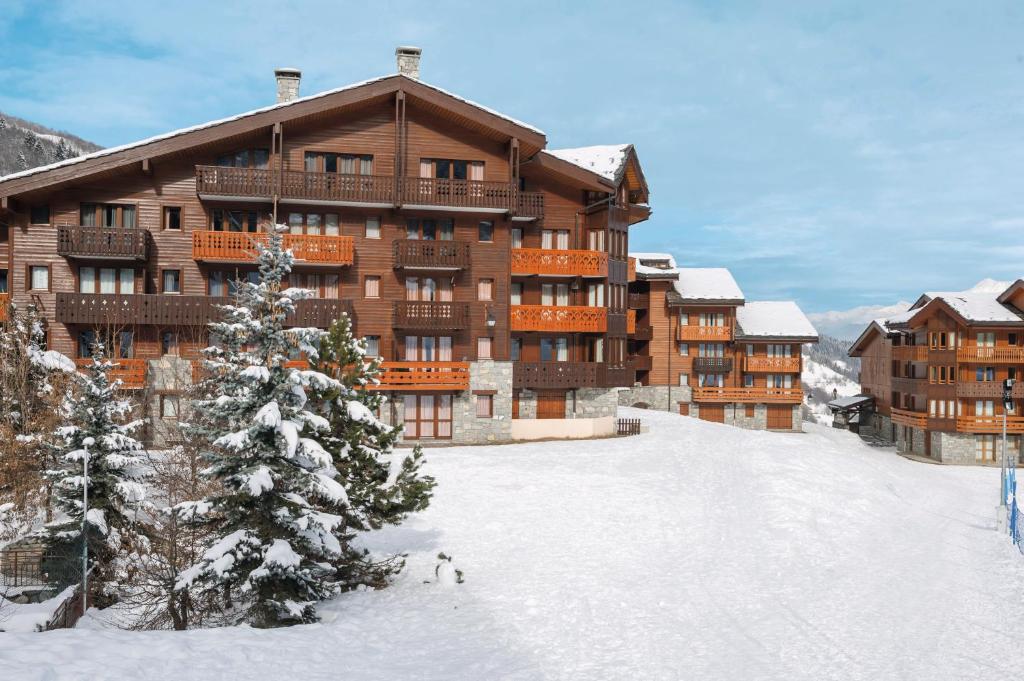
(127, 281)
(295, 223)
(331, 224)
(459, 171)
(447, 231)
(261, 158)
(40, 278)
(442, 168)
(312, 223)
(372, 228)
(412, 229)
(128, 217)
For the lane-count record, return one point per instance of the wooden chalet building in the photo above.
(936, 373)
(698, 346)
(488, 272)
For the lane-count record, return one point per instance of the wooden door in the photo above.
(712, 412)
(684, 408)
(780, 417)
(551, 404)
(515, 404)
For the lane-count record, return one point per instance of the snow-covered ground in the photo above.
(819, 377)
(694, 551)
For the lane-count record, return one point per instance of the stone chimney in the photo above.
(287, 84)
(408, 61)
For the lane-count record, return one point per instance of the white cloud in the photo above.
(850, 323)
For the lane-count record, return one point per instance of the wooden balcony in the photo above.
(422, 376)
(530, 205)
(5, 303)
(433, 255)
(226, 183)
(560, 318)
(106, 243)
(630, 322)
(631, 270)
(99, 309)
(131, 372)
(300, 186)
(905, 417)
(457, 195)
(707, 334)
(992, 390)
(316, 249)
(643, 333)
(749, 395)
(615, 376)
(641, 362)
(910, 386)
(639, 301)
(555, 375)
(989, 424)
(319, 312)
(910, 353)
(999, 355)
(712, 365)
(771, 365)
(415, 314)
(551, 262)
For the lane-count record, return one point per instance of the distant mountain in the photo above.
(827, 368)
(24, 145)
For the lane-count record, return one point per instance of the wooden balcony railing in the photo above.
(909, 386)
(320, 249)
(378, 190)
(554, 375)
(578, 318)
(112, 243)
(711, 334)
(712, 365)
(905, 417)
(989, 424)
(631, 270)
(615, 376)
(910, 353)
(749, 395)
(465, 194)
(992, 390)
(99, 309)
(630, 322)
(639, 301)
(530, 205)
(641, 362)
(771, 365)
(319, 312)
(419, 376)
(415, 314)
(415, 253)
(258, 183)
(5, 303)
(973, 353)
(559, 263)
(131, 372)
(643, 333)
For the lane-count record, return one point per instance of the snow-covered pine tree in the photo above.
(97, 426)
(383, 486)
(278, 504)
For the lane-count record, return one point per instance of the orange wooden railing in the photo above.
(785, 365)
(705, 333)
(910, 353)
(905, 417)
(989, 424)
(631, 270)
(316, 248)
(974, 353)
(749, 395)
(131, 372)
(5, 302)
(556, 262)
(630, 322)
(408, 376)
(579, 318)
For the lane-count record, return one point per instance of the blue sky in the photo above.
(842, 154)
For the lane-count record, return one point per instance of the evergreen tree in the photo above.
(383, 487)
(277, 505)
(96, 426)
(63, 151)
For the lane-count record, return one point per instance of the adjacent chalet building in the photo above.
(936, 373)
(489, 273)
(697, 345)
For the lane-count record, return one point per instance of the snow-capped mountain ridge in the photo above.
(24, 145)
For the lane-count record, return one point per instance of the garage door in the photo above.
(712, 412)
(780, 417)
(551, 404)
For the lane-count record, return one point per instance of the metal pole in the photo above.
(85, 537)
(1002, 465)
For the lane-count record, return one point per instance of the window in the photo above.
(168, 343)
(172, 217)
(314, 224)
(750, 350)
(516, 349)
(169, 406)
(684, 380)
(517, 237)
(483, 347)
(748, 380)
(555, 238)
(485, 289)
(516, 293)
(711, 350)
(106, 280)
(171, 281)
(372, 228)
(684, 349)
(108, 215)
(372, 346)
(246, 158)
(3, 281)
(452, 169)
(712, 319)
(39, 277)
(371, 286)
(710, 380)
(428, 348)
(39, 215)
(554, 294)
(234, 220)
(595, 295)
(485, 231)
(985, 374)
(427, 416)
(484, 406)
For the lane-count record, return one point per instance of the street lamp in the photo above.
(1007, 407)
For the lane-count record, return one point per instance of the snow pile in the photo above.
(693, 551)
(606, 160)
(707, 283)
(782, 319)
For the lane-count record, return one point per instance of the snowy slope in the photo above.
(24, 144)
(694, 551)
(826, 368)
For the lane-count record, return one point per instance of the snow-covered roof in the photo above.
(655, 264)
(247, 114)
(978, 307)
(607, 160)
(707, 284)
(773, 319)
